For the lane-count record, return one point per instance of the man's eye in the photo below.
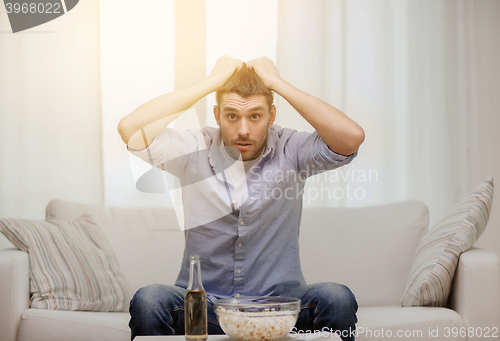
(231, 116)
(255, 116)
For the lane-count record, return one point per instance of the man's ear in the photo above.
(272, 116)
(217, 114)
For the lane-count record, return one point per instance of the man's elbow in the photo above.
(355, 141)
(123, 130)
(350, 142)
(359, 137)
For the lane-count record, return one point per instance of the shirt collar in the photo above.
(272, 136)
(215, 154)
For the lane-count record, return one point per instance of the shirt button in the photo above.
(238, 271)
(242, 222)
(234, 202)
(239, 245)
(237, 295)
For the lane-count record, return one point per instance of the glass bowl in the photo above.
(252, 318)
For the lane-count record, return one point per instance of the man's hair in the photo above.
(245, 83)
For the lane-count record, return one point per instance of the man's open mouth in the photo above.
(243, 145)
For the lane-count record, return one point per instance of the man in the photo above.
(245, 233)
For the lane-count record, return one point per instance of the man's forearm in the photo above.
(156, 114)
(340, 133)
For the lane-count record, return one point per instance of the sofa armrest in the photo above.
(14, 291)
(475, 291)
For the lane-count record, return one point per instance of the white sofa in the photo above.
(369, 249)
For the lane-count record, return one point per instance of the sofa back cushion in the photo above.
(72, 265)
(369, 249)
(146, 240)
(438, 252)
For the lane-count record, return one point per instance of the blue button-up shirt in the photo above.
(249, 247)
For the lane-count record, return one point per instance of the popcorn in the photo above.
(256, 326)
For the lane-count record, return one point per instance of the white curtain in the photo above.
(137, 64)
(50, 113)
(420, 76)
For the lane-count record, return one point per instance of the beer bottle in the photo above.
(195, 304)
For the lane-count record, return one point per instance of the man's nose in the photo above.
(244, 128)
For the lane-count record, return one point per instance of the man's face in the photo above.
(244, 123)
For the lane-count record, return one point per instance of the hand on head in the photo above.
(264, 68)
(224, 68)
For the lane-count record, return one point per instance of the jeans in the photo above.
(158, 309)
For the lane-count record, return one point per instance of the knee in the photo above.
(153, 297)
(338, 295)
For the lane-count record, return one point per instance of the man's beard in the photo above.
(235, 153)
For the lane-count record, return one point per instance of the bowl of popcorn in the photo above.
(257, 318)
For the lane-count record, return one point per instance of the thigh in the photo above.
(160, 296)
(170, 298)
(324, 304)
(157, 309)
(318, 293)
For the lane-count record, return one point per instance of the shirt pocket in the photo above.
(278, 198)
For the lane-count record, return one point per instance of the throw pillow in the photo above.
(438, 252)
(72, 265)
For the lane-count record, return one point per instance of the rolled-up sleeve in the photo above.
(313, 154)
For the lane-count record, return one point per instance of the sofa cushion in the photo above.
(438, 252)
(373, 322)
(146, 240)
(72, 265)
(409, 323)
(369, 249)
(50, 325)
